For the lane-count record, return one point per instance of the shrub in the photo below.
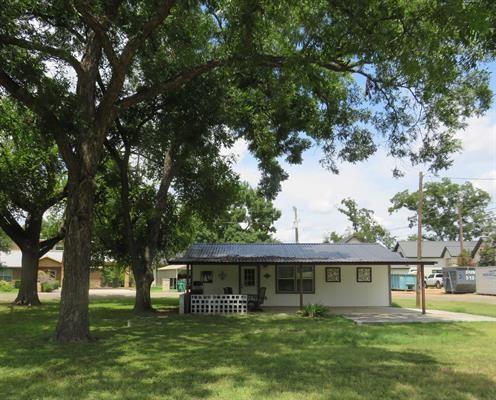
(6, 286)
(314, 310)
(49, 286)
(17, 284)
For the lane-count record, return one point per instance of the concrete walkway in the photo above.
(393, 315)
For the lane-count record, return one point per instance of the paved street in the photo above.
(94, 294)
(439, 294)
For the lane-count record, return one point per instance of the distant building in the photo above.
(11, 262)
(443, 253)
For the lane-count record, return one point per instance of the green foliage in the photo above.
(440, 210)
(364, 226)
(488, 252)
(314, 311)
(5, 241)
(30, 167)
(50, 286)
(6, 287)
(249, 219)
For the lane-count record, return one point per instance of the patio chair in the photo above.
(228, 290)
(256, 300)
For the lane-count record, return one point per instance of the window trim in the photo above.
(339, 269)
(370, 269)
(297, 277)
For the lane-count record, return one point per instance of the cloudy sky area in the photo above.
(317, 192)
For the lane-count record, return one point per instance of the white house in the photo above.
(440, 253)
(353, 274)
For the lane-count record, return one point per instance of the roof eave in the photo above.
(296, 261)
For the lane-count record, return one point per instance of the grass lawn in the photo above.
(447, 305)
(259, 356)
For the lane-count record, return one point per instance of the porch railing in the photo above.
(219, 303)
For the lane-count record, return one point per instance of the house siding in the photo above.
(347, 293)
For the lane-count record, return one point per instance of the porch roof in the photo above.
(289, 253)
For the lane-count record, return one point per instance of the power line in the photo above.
(465, 179)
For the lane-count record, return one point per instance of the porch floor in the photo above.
(392, 315)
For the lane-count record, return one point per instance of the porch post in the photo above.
(188, 288)
(301, 287)
(423, 287)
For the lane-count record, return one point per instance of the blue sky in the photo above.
(317, 192)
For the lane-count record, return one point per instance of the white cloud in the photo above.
(317, 193)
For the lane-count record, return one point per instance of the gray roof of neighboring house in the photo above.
(323, 253)
(432, 248)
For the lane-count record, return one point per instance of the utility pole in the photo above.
(296, 224)
(460, 227)
(420, 205)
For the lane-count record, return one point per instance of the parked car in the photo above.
(435, 280)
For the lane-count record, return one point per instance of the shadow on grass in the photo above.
(257, 356)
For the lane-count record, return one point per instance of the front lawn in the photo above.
(260, 356)
(447, 305)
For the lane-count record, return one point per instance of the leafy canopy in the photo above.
(440, 211)
(363, 226)
(249, 219)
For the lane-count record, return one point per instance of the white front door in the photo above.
(249, 279)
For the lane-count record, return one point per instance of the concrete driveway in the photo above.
(393, 315)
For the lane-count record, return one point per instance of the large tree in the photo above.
(249, 219)
(32, 181)
(443, 201)
(74, 64)
(363, 225)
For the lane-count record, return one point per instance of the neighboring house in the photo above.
(351, 239)
(169, 275)
(442, 253)
(355, 274)
(50, 263)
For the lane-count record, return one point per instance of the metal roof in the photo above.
(323, 253)
(430, 248)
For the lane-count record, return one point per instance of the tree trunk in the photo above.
(28, 292)
(144, 278)
(73, 323)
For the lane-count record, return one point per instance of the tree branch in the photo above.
(47, 245)
(172, 84)
(38, 106)
(55, 52)
(12, 228)
(100, 31)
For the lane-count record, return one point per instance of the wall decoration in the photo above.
(207, 276)
(266, 275)
(364, 274)
(333, 274)
(222, 275)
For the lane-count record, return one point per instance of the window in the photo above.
(288, 279)
(439, 275)
(430, 276)
(249, 277)
(333, 274)
(364, 274)
(5, 275)
(207, 276)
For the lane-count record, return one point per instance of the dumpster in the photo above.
(459, 279)
(403, 282)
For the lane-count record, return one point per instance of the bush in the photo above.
(314, 310)
(6, 286)
(49, 286)
(17, 284)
